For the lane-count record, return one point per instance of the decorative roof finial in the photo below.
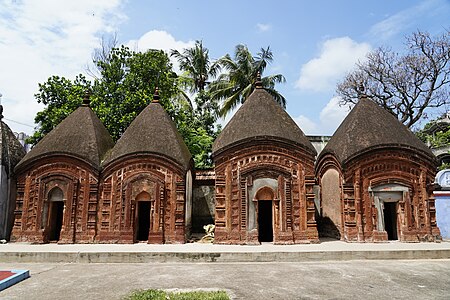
(156, 95)
(361, 87)
(258, 83)
(86, 99)
(362, 90)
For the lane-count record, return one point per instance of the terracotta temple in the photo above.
(372, 182)
(264, 167)
(376, 180)
(76, 186)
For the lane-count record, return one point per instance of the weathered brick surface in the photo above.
(78, 182)
(121, 185)
(101, 210)
(416, 217)
(293, 204)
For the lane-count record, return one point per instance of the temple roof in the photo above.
(369, 126)
(260, 117)
(11, 151)
(81, 135)
(152, 132)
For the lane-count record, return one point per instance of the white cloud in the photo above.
(39, 39)
(337, 56)
(331, 116)
(159, 39)
(264, 27)
(407, 19)
(306, 125)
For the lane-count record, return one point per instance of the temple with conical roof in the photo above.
(11, 152)
(376, 180)
(264, 167)
(372, 182)
(58, 181)
(147, 183)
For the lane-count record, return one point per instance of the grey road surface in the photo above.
(385, 279)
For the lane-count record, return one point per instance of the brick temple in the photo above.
(264, 167)
(372, 182)
(376, 180)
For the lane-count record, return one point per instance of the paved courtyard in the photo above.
(380, 279)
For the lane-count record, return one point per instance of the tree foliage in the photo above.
(234, 87)
(407, 85)
(197, 70)
(197, 66)
(435, 133)
(61, 97)
(125, 81)
(125, 87)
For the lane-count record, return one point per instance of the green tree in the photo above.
(197, 70)
(60, 96)
(408, 84)
(435, 133)
(234, 87)
(127, 82)
(196, 66)
(124, 88)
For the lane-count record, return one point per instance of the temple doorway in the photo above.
(142, 217)
(386, 200)
(54, 214)
(55, 220)
(390, 220)
(265, 221)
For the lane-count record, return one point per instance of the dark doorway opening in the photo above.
(390, 220)
(143, 220)
(56, 216)
(265, 228)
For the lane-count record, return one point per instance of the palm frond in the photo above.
(229, 104)
(277, 97)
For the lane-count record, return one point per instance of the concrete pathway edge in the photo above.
(223, 257)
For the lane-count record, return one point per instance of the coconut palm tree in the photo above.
(197, 67)
(234, 87)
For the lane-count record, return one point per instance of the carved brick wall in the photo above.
(293, 207)
(416, 219)
(78, 183)
(120, 186)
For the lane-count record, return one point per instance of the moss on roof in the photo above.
(261, 117)
(152, 131)
(370, 126)
(81, 135)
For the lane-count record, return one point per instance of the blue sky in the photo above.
(314, 42)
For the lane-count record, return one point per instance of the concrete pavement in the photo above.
(197, 252)
(369, 279)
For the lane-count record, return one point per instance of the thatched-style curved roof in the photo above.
(80, 135)
(152, 132)
(260, 117)
(369, 126)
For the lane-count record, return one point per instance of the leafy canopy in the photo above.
(235, 86)
(124, 88)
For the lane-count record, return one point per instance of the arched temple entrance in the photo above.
(53, 214)
(142, 217)
(264, 197)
